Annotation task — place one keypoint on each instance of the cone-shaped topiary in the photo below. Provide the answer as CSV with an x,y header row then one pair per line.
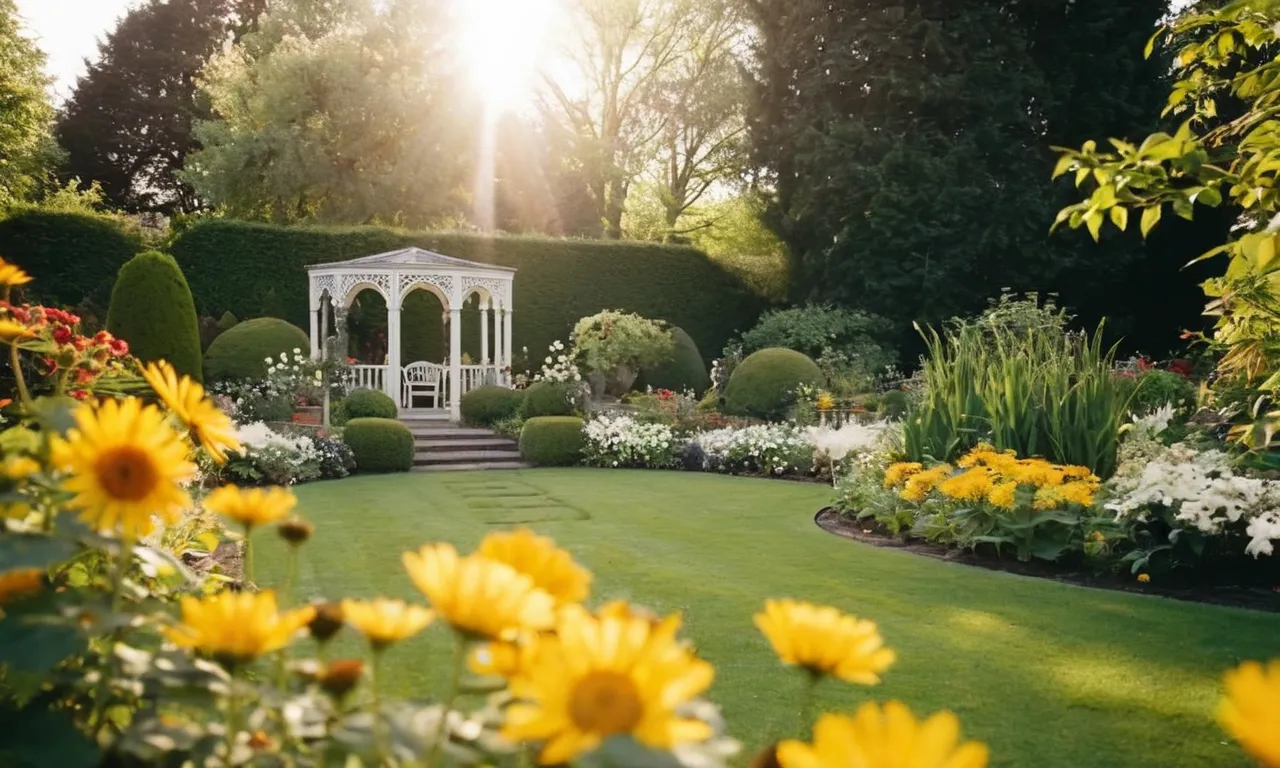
x,y
151,308
241,352
764,384
684,370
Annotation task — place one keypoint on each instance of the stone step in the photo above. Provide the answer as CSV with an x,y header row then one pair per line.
x,y
464,443
444,433
488,465
459,457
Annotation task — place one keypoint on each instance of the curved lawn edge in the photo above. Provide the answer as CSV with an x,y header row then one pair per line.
x,y
830,520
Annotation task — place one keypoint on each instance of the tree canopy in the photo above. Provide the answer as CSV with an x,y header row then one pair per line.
x,y
27,150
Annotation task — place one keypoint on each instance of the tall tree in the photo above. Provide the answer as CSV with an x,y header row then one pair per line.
x,y
27,151
128,124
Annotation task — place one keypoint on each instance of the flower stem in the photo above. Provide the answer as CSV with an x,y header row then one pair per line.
x,y
16,364
455,680
247,579
233,719
108,670
290,576
806,703
379,730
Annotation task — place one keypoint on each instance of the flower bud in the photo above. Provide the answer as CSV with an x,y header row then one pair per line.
x,y
295,530
341,676
327,622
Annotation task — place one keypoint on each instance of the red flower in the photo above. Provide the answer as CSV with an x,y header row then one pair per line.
x,y
20,314
84,376
101,337
1181,367
119,347
81,343
62,334
79,394
1144,364
51,365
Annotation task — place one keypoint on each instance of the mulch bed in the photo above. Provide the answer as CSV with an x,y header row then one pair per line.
x,y
830,520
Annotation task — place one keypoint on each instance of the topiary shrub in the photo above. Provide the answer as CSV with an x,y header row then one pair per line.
x,y
379,445
227,321
151,308
369,403
546,398
241,352
485,406
685,369
552,441
764,384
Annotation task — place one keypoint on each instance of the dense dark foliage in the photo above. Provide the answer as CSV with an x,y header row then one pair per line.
x,y
151,308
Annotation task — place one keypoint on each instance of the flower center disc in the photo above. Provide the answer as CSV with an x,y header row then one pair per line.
x,y
126,474
606,703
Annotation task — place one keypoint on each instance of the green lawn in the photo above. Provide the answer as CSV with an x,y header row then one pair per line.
x,y
1047,674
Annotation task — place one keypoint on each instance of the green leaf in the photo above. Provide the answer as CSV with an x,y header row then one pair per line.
x,y
1150,217
44,737
30,647
1120,217
34,551
626,752
1094,222
1064,164
1151,43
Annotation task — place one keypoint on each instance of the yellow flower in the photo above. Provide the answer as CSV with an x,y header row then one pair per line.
x,y
20,583
12,330
237,626
1076,492
825,401
185,399
884,738
252,506
919,484
1250,710
599,677
825,641
1075,472
551,569
1144,577
896,474
18,467
1037,472
503,658
478,596
126,466
971,485
12,274
384,621
1003,495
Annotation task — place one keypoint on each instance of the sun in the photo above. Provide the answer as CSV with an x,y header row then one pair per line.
x,y
502,42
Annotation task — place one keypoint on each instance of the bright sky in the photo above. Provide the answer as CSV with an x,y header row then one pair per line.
x,y
68,31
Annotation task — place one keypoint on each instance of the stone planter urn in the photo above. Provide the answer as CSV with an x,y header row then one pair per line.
x,y
615,383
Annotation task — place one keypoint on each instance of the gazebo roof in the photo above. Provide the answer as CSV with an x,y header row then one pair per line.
x,y
409,258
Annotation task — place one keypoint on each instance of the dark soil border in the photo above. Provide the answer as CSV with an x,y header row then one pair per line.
x,y
830,520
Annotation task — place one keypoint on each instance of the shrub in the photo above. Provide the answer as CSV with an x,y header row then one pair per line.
x,y
379,445
893,404
552,441
227,321
547,398
818,331
369,403
764,384
685,369
151,308
74,257
241,352
485,406
621,441
616,346
1158,388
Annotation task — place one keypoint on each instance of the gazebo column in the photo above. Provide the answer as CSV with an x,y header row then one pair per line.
x,y
506,342
485,308
455,361
315,331
392,378
326,301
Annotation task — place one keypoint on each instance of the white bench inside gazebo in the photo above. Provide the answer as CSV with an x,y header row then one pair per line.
x,y
420,387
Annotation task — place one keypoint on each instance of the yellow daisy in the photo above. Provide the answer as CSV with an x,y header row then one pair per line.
x,y
1003,495
598,677
20,583
12,330
971,485
185,399
1250,710
479,596
384,621
896,474
251,506
12,274
237,626
126,465
552,569
825,641
888,737
920,484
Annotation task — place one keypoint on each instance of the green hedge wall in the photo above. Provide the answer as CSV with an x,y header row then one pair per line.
x,y
73,257
244,267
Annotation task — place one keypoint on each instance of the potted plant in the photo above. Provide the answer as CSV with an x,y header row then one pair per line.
x,y
614,346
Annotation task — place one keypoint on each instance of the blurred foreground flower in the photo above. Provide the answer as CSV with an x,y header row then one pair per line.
x,y
1250,711
552,569
825,641
384,621
186,399
884,738
478,596
235,627
251,506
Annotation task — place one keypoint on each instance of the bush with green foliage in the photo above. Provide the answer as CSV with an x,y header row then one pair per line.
x,y
819,330
369,403
1156,389
379,445
552,441
241,352
547,398
617,345
485,406
151,308
74,257
685,369
227,321
764,384
559,281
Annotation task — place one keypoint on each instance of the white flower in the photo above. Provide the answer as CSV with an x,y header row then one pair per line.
x,y
269,359
284,358
297,350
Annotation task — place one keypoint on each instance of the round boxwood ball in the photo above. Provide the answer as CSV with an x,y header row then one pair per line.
x,y
552,441
546,398
484,406
685,370
369,403
764,384
379,445
241,352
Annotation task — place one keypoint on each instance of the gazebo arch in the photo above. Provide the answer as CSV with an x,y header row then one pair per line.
x,y
394,275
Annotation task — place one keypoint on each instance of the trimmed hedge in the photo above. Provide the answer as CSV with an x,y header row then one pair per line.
x,y
151,308
559,281
763,385
545,398
484,406
74,257
369,403
379,445
685,370
240,353
552,441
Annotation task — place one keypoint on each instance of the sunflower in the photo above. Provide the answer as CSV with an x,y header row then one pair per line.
x,y
126,465
479,596
552,569
384,621
236,627
185,399
599,677
20,583
887,737
12,274
252,506
825,641
1250,710
12,330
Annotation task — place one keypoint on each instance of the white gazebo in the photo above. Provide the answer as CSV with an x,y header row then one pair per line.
x,y
420,385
